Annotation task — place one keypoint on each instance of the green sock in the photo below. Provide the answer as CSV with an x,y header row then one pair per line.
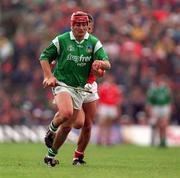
x,y
163,142
52,152
52,127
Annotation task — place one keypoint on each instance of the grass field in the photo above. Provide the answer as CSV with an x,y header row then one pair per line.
x,y
121,161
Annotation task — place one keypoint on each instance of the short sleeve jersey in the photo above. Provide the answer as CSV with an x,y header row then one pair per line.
x,y
159,95
74,59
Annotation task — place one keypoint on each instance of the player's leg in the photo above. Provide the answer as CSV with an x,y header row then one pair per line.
x,y
69,103
108,131
61,134
90,111
65,105
63,131
89,108
107,115
163,124
59,139
78,123
62,99
154,131
104,112
79,120
153,121
101,130
49,137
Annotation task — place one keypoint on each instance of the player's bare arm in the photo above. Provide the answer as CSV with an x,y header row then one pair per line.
x,y
49,79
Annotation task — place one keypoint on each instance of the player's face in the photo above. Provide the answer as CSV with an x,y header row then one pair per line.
x,y
79,29
90,27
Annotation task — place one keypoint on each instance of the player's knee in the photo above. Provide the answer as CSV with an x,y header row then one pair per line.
x,y
78,125
66,115
164,123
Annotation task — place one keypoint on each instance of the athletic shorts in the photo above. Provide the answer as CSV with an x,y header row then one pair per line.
x,y
107,111
161,111
90,97
77,96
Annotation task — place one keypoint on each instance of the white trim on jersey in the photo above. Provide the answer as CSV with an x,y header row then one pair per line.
x,y
72,37
56,43
97,46
86,36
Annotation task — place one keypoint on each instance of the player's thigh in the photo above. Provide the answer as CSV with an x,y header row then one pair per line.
x,y
64,102
90,110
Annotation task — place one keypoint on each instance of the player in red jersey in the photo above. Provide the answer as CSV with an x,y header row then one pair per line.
x,y
108,109
85,121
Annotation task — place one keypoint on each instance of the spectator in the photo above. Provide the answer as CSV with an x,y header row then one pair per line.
x,y
141,38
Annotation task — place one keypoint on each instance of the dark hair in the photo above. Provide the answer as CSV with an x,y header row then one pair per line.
x,y
90,17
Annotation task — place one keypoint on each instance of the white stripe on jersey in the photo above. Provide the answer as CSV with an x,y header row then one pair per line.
x,y
56,43
97,46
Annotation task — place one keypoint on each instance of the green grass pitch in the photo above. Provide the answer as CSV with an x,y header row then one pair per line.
x,y
24,160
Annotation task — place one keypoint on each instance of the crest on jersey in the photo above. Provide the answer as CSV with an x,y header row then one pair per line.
x,y
89,48
70,48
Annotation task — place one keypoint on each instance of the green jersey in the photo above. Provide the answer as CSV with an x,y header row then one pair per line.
x,y
74,59
159,95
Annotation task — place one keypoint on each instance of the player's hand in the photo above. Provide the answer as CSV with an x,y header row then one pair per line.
x,y
98,68
97,64
98,73
50,82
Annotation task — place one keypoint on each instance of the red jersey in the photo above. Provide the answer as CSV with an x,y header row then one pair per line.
x,y
109,94
92,78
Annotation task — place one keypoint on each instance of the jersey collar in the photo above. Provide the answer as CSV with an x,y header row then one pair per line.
x,y
72,37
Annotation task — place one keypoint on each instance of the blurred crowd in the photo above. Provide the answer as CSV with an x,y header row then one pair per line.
x,y
141,37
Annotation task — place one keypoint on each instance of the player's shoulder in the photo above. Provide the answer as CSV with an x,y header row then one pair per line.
x,y
60,38
64,35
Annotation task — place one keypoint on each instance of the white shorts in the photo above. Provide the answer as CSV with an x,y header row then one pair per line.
x,y
107,111
90,97
160,112
77,96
